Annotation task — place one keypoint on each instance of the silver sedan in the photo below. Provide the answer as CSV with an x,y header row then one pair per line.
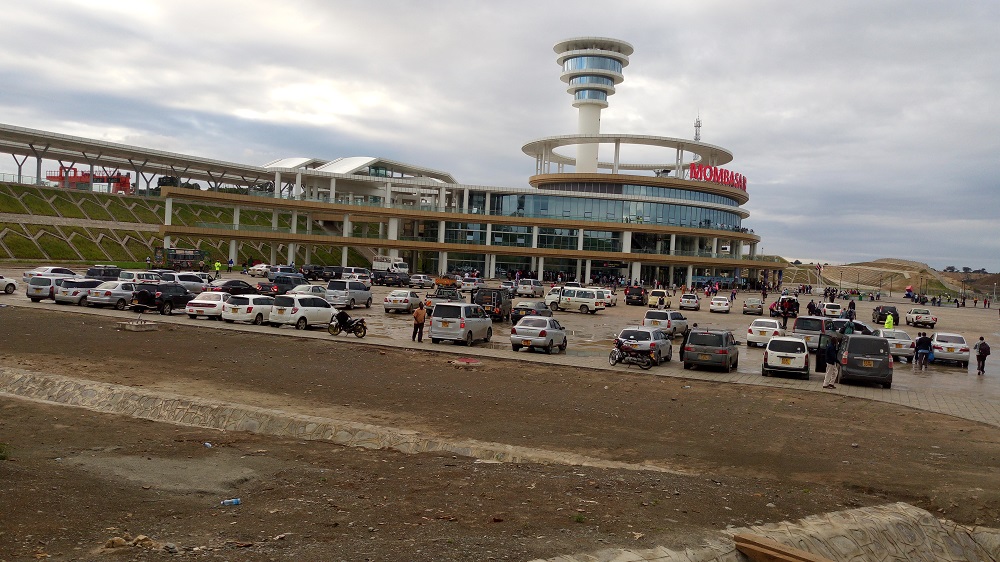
x,y
112,293
401,300
538,332
900,344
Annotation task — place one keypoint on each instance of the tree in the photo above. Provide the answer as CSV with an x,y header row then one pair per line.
x,y
951,269
966,269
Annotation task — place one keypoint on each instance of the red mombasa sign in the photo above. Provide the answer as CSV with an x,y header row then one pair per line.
x,y
718,175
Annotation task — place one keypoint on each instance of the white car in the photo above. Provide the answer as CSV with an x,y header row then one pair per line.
x,y
530,288
610,297
585,301
920,317
538,332
786,354
401,300
421,281
762,330
689,301
900,343
192,281
48,271
75,290
259,270
719,304
670,322
208,304
301,311
950,347
471,284
255,309
7,284
831,309
308,289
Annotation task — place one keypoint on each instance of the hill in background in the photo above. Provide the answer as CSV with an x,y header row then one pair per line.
x,y
891,275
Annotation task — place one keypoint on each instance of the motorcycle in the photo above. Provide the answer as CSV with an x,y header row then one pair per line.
x,y
342,322
627,353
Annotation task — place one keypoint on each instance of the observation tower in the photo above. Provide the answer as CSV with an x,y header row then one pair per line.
x,y
592,67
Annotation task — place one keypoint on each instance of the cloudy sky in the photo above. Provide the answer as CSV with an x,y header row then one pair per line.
x,y
865,129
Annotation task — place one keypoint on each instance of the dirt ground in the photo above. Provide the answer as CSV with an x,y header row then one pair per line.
x,y
741,454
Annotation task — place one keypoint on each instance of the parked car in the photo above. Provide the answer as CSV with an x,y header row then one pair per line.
x,y
391,278
510,287
636,295
332,272
779,305
401,300
301,311
470,284
42,287
363,278
830,309
208,304
689,301
882,311
753,305
163,297
191,280
74,290
950,347
530,288
719,304
140,276
654,298
711,348
421,281
920,317
259,270
48,271
275,270
7,285
255,309
496,302
762,330
671,322
811,328
584,301
865,358
651,340
348,293
233,287
460,322
610,297
308,289
529,308
900,343
538,332
311,271
112,293
103,272
786,355
281,284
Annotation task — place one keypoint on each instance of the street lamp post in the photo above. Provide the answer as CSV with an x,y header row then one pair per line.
x,y
841,281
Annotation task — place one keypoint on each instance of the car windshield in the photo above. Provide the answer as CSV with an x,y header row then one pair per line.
x,y
786,346
108,285
447,311
83,283
337,286
533,322
888,309
832,305
637,335
210,297
239,301
657,315
948,338
895,334
705,338
688,297
284,301
920,311
868,346
399,294
720,300
809,324
764,324
39,281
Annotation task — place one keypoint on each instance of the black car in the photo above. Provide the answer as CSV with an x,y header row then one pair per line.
x,y
390,278
331,272
104,272
636,295
312,272
233,287
881,312
529,308
163,297
282,283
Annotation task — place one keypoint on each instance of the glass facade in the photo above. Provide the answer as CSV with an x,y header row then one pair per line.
x,y
588,63
644,191
591,95
560,238
510,235
584,80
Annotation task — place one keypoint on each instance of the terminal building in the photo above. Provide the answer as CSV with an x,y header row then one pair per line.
x,y
678,220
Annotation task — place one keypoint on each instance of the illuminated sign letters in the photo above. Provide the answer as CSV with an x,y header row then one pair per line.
x,y
717,175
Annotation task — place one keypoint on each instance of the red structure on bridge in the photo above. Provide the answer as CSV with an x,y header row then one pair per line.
x,y
71,178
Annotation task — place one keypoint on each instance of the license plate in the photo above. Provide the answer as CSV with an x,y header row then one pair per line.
x,y
281,311
786,360
656,322
525,342
762,333
235,310
135,301
200,312
809,338
951,350
899,345
867,363
704,357
445,324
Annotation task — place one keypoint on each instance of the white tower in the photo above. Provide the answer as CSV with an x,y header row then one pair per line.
x,y
592,66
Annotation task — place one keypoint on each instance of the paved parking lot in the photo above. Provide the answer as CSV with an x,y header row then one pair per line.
x,y
942,388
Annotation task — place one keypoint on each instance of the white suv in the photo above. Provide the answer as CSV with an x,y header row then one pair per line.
x,y
530,288
301,311
786,354
460,322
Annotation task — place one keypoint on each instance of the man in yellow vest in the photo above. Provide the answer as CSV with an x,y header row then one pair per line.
x,y
218,269
888,321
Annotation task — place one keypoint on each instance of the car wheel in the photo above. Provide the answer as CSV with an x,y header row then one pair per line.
x,y
301,324
563,345
552,306
584,309
9,289
763,372
228,321
965,364
350,305
548,348
258,320
121,304
192,316
515,347
613,358
887,384
468,339
83,301
489,334
435,340
687,365
166,309
931,326
368,303
670,353
657,359
35,300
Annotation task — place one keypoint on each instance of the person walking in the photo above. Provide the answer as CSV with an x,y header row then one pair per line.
x,y
982,352
833,366
888,321
148,261
230,269
218,269
923,347
419,316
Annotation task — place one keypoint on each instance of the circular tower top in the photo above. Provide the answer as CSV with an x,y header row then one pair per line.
x,y
592,66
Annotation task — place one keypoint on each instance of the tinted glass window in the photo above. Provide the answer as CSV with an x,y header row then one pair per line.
x,y
320,303
357,286
657,315
239,301
533,322
711,340
284,301
809,324
944,338
866,346
569,293
637,335
785,346
447,311
896,334
39,281
586,294
264,301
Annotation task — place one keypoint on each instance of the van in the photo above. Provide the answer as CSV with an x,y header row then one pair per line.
x,y
139,276
530,288
460,322
811,328
348,293
865,358
568,298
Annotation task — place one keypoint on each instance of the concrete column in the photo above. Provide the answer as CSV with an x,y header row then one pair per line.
x,y
441,199
670,272
441,225
541,267
393,229
232,251
491,266
586,271
579,240
533,265
277,189
294,230
627,242
274,253
168,211
442,263
673,245
489,234
308,258
690,276
715,247
274,220
534,237
465,200
753,249
579,271
486,207
166,241
333,189
309,223
347,227
297,190
636,270
388,195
